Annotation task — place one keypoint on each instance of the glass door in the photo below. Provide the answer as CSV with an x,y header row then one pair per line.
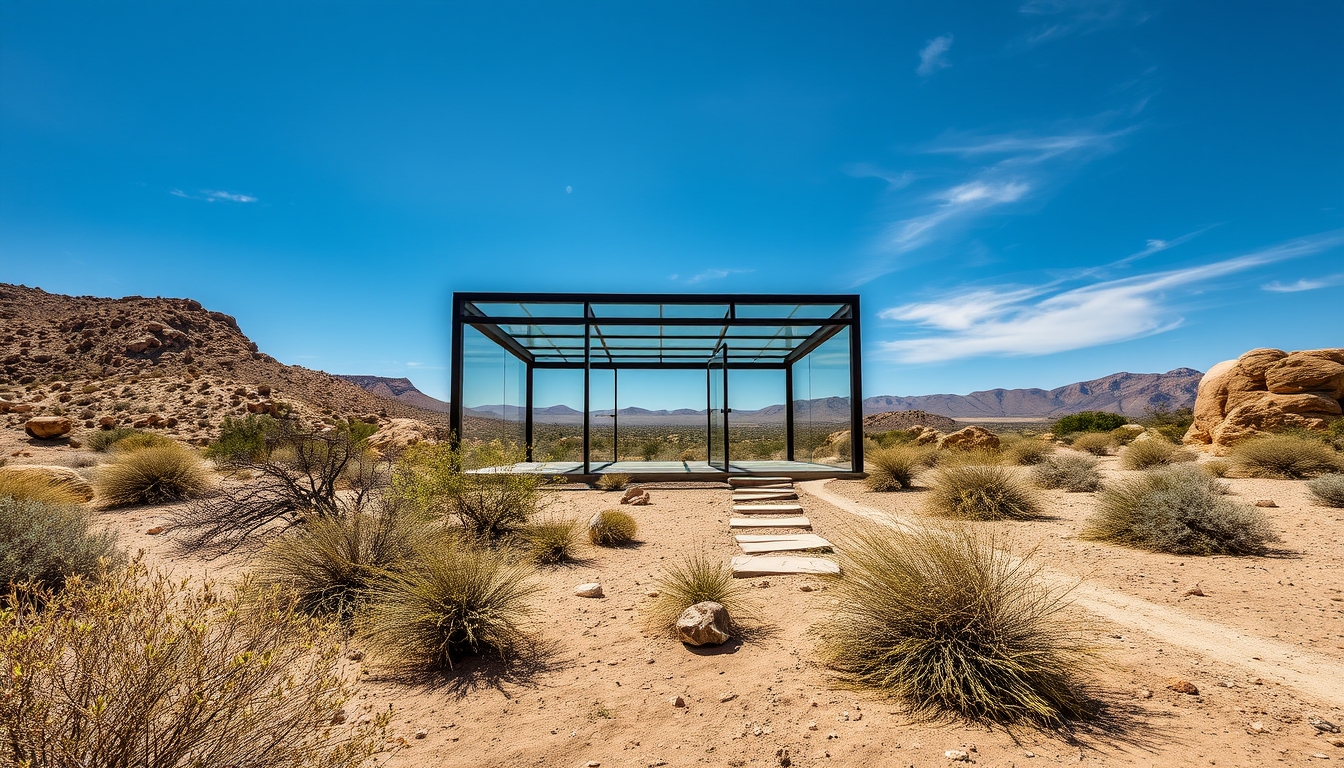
x,y
717,388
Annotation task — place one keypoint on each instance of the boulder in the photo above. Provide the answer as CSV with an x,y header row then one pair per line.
x,y
48,427
970,438
703,624
399,433
924,436
63,477
1306,372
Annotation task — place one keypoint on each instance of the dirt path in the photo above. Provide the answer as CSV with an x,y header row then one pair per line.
x,y
1309,674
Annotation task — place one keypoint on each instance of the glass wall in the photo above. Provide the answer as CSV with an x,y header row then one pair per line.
x,y
557,414
756,402
821,404
494,392
601,416
661,415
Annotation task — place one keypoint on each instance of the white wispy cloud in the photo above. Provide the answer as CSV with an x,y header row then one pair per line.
x,y
894,180
709,274
215,195
933,56
1049,318
1304,284
1068,17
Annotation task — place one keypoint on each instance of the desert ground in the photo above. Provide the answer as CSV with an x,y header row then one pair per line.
x,y
1263,643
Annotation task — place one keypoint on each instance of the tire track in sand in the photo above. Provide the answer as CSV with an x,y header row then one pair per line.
x,y
1316,676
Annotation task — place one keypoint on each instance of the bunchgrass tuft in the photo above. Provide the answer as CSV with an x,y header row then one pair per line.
x,y
895,468
980,492
1073,472
1178,510
1328,490
1155,452
42,544
614,481
1286,456
1216,468
1028,452
612,528
952,624
24,484
458,601
139,440
552,540
694,579
151,476
1096,443
104,439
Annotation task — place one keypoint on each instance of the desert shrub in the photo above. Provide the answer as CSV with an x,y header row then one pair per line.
x,y
612,528
1123,436
893,438
892,469
552,540
1095,443
458,601
139,440
42,544
1171,424
1216,468
20,485
1146,454
694,579
950,623
151,476
1088,421
139,669
1028,452
1334,433
1285,456
329,562
241,439
489,505
104,439
614,481
980,492
1076,473
1179,510
1328,490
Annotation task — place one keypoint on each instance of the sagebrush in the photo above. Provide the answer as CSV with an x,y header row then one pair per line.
x,y
44,544
1073,472
1028,452
1328,490
552,539
23,483
1286,456
895,468
1095,443
488,505
614,481
980,492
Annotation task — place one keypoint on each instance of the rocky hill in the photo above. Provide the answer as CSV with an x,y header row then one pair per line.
x,y
166,364
397,389
1129,394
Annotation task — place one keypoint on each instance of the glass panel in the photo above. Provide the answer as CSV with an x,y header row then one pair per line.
x,y
602,421
821,404
529,309
662,415
756,402
717,371
494,392
557,415
810,311
660,310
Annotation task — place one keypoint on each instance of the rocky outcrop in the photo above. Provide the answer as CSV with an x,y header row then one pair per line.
x,y
1267,390
885,422
971,438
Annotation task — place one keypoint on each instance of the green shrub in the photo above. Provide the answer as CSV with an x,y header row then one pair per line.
x,y
614,481
1124,436
1171,424
151,476
140,440
242,439
459,600
950,623
895,468
1088,421
1285,456
612,528
1028,452
694,579
980,492
1071,472
104,439
134,669
1178,510
1096,443
489,505
552,540
43,544
1146,454
1328,490
1334,434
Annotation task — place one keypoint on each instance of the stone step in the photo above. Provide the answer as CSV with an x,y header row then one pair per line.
x,y
757,543
745,566
754,495
767,509
749,482
769,522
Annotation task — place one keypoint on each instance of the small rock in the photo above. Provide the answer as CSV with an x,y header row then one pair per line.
x,y
355,655
678,701
591,589
805,588
1264,503
48,427
1324,726
832,735
857,716
763,583
339,717
155,531
1337,742
729,696
1320,756
107,422
592,764
421,733
1194,591
784,760
649,660
651,593
1182,686
1145,694
843,717
703,624
957,756
1030,754
812,725
1257,727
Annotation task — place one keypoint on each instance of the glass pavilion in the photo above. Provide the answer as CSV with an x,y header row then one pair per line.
x,y
764,384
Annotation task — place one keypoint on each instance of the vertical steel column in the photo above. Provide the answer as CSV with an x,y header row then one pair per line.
x,y
527,419
615,414
587,388
458,363
709,411
855,390
788,412
727,457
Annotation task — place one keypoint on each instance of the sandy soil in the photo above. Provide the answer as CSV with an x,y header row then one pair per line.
x,y
603,690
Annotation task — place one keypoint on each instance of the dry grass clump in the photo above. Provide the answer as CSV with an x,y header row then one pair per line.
x,y
615,481
104,439
1216,468
948,457
612,528
140,669
552,540
952,624
1328,490
1286,456
895,468
1179,510
33,486
1073,472
151,476
139,440
489,506
1147,454
1096,443
695,579
459,600
980,492
1027,452
43,544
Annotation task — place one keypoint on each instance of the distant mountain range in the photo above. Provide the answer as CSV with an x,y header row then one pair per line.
x,y
1129,394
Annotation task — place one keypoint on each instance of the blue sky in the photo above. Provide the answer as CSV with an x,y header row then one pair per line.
x,y
1023,194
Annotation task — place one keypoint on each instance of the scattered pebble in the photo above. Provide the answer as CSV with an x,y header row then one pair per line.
x,y
957,756
812,725
355,655
651,593
1257,727
591,589
1265,503
678,701
421,733
805,588
727,696
1182,686
1030,754
155,531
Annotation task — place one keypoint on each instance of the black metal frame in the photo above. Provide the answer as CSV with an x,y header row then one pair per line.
x,y
616,358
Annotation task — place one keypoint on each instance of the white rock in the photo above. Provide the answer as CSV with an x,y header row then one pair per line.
x,y
591,589
421,733
729,696
957,756
703,624
812,725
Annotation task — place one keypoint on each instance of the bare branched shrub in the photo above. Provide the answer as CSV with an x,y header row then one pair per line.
x,y
1179,510
140,669
151,475
895,468
980,492
477,489
43,544
1146,454
695,579
612,528
1073,472
950,623
1096,443
1328,490
1286,456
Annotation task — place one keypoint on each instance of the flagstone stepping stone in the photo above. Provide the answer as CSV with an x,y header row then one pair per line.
x,y
756,543
758,565
754,495
769,522
767,509
741,482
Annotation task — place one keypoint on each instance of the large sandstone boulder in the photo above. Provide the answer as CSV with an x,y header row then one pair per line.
x,y
1267,390
703,624
48,427
971,438
63,477
398,433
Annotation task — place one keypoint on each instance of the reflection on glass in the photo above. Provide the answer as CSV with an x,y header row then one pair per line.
x,y
557,415
821,404
494,392
602,420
